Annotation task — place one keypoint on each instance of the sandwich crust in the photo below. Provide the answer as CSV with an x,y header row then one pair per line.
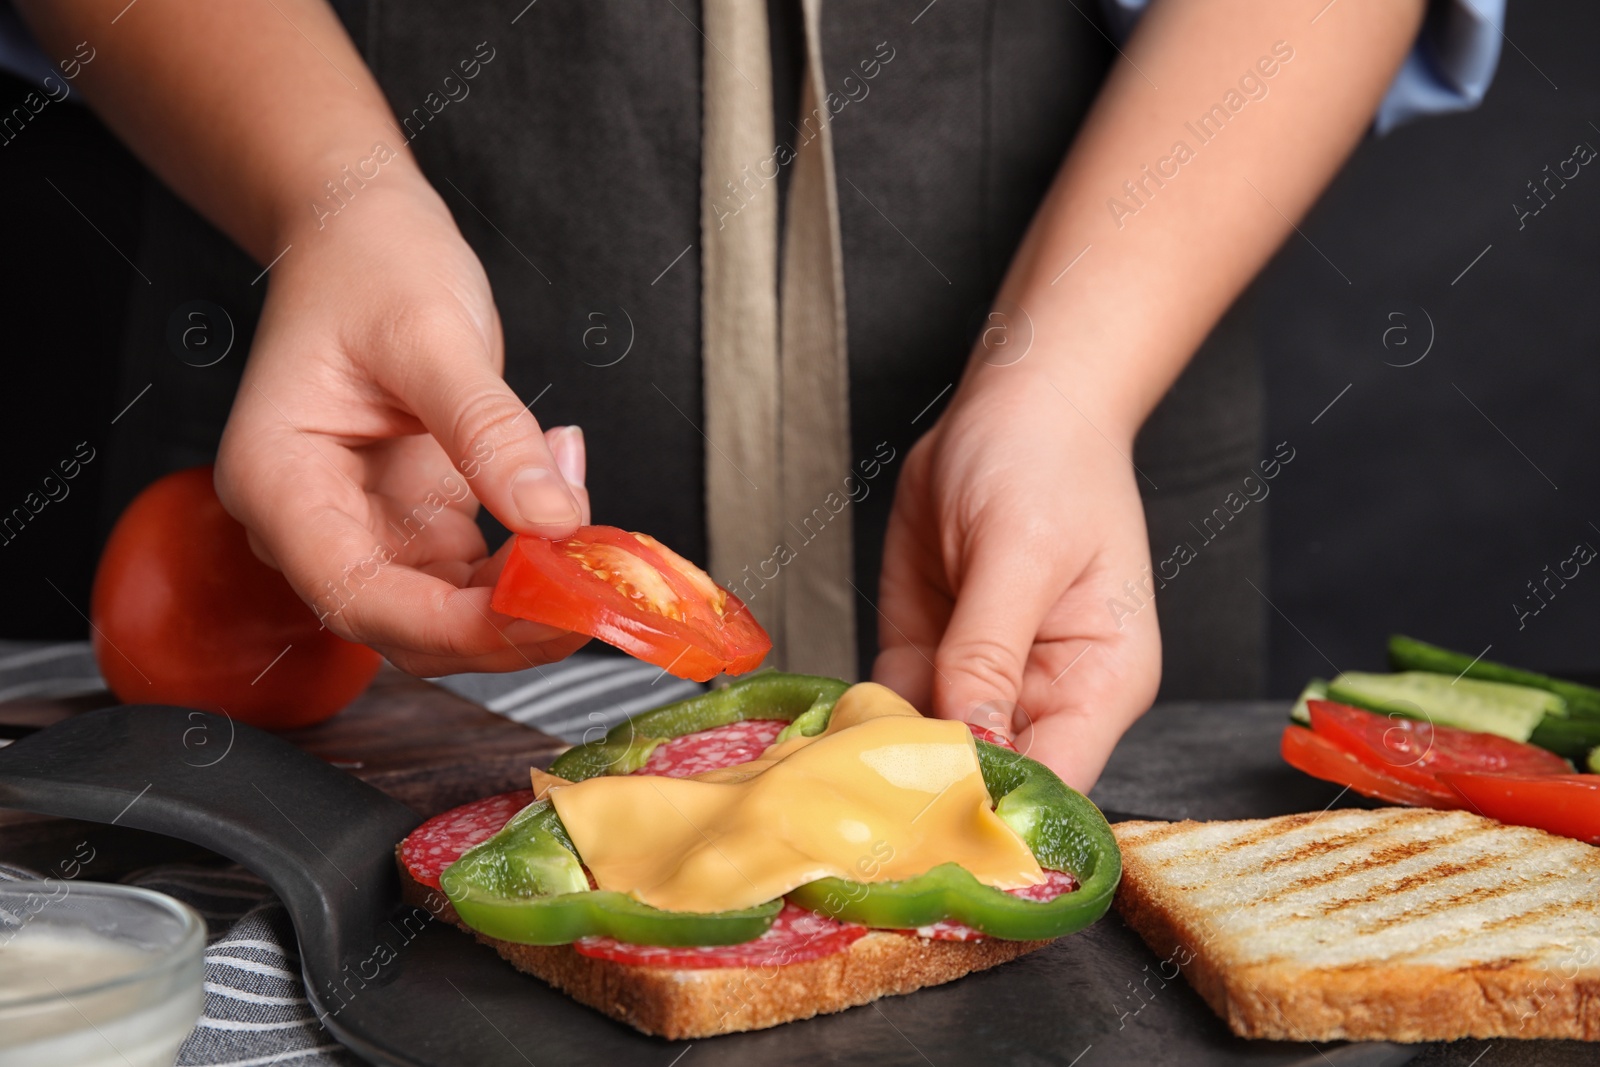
x,y
678,1003
1397,924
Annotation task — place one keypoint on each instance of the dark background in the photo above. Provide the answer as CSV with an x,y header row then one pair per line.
x,y
1422,501
1406,509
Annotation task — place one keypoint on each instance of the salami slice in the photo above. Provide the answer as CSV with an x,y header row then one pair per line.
x,y
795,936
440,841
1055,884
713,749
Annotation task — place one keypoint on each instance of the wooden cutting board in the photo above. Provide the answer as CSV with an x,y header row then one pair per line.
x,y
421,744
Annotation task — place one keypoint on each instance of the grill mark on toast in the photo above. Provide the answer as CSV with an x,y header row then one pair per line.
x,y
1532,916
1433,906
1405,817
1563,907
1268,828
1433,874
1359,865
1426,909
1271,828
1321,847
1384,856
1500,964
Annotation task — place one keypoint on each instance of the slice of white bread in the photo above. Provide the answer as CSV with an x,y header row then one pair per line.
x,y
678,1002
1400,924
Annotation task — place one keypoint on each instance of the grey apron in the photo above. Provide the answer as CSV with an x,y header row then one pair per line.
x,y
572,164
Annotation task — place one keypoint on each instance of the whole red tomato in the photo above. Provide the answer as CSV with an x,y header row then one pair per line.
x,y
185,614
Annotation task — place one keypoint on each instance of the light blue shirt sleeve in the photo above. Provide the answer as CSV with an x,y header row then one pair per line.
x,y
1449,68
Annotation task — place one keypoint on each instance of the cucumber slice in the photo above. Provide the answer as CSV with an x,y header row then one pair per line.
x,y
1409,654
1571,738
1316,689
1468,703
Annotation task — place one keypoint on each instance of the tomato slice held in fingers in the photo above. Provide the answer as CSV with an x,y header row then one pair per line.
x,y
747,642
1321,758
1415,751
631,591
1565,804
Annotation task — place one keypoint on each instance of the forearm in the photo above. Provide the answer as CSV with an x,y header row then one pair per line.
x,y
245,108
1156,261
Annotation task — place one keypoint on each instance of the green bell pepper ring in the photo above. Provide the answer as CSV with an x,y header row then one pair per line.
x,y
1060,826
764,695
526,885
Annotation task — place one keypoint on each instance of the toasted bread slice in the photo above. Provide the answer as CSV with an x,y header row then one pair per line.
x,y
1401,924
674,1002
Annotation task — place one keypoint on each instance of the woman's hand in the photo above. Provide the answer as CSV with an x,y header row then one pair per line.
x,y
1017,518
372,419
1014,523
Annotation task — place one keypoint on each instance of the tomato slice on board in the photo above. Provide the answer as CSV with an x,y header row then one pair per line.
x,y
1565,804
1321,758
631,591
1414,751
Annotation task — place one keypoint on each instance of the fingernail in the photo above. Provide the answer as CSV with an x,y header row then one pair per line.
x,y
542,497
571,455
993,715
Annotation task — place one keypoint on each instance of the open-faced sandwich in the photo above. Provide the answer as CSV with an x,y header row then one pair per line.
x,y
776,849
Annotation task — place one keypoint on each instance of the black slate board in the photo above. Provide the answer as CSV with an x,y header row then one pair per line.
x,y
1090,1000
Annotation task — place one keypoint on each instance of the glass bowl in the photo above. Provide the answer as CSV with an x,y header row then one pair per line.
x,y
93,974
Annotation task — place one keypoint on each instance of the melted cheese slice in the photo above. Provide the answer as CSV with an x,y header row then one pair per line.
x,y
882,794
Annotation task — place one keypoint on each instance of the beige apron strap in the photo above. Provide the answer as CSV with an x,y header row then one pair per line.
x,y
739,286
818,599
777,426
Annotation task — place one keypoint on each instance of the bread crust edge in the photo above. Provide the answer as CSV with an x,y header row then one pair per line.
x,y
690,1003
